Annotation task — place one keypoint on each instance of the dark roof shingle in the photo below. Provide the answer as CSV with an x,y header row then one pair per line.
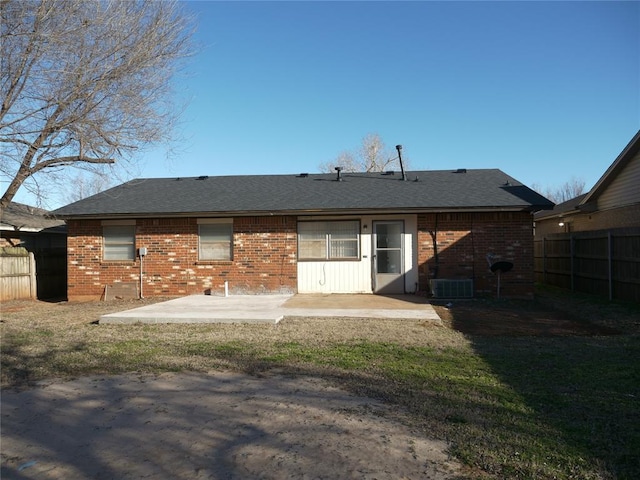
x,y
23,217
264,194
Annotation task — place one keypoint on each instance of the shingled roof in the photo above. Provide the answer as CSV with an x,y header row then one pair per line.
x,y
447,190
25,218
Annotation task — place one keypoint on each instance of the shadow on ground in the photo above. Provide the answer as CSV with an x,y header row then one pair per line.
x,y
224,425
578,371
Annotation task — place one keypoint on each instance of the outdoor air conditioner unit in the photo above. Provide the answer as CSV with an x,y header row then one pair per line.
x,y
447,288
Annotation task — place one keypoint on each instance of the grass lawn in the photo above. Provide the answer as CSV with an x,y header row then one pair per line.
x,y
541,390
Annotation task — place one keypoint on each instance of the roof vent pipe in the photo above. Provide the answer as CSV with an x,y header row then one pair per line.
x,y
339,177
404,175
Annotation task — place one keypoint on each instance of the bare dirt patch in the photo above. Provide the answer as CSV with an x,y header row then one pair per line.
x,y
73,409
220,425
274,424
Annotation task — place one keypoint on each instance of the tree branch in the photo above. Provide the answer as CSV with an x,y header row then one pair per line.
x,y
60,161
85,81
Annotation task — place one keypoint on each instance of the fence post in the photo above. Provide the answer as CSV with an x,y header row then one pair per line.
x,y
544,260
610,263
572,263
33,283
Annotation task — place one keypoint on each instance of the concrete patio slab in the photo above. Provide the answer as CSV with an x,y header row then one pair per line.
x,y
273,308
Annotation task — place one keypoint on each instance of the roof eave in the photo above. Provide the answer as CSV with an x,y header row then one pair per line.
x,y
295,212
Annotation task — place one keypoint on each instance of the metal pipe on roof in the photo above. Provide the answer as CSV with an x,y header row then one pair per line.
x,y
404,175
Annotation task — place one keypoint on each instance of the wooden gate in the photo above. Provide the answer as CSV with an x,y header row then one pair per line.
x,y
17,274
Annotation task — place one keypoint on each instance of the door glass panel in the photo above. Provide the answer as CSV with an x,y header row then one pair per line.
x,y
388,235
388,261
388,256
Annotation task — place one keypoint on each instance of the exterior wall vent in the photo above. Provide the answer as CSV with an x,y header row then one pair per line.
x,y
447,288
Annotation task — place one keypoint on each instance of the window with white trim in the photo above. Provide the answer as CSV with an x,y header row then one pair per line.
x,y
119,242
215,240
329,240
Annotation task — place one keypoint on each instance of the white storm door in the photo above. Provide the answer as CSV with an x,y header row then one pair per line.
x,y
388,257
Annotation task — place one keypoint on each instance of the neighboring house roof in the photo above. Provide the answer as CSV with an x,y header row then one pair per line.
x,y
562,209
18,217
486,190
587,202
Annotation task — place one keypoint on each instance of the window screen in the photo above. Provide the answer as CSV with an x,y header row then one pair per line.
x,y
330,240
216,241
119,242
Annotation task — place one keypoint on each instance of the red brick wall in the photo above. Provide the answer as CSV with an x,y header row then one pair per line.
x,y
455,246
265,251
264,258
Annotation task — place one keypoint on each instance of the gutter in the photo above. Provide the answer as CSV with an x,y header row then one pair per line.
x,y
315,212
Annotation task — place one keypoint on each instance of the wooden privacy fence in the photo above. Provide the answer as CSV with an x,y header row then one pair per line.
x,y
17,274
603,262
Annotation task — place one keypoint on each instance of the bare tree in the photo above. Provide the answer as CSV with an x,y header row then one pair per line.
x,y
371,156
568,190
85,82
86,184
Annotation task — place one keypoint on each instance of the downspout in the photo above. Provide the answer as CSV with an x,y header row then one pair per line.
x,y
142,251
141,282
434,241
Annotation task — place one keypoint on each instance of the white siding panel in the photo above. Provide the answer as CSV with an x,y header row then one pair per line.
x,y
355,277
334,277
339,276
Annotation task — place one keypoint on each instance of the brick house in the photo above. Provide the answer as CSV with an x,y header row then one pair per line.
x,y
380,233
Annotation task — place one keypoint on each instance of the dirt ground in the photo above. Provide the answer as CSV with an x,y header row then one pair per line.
x,y
216,426
224,425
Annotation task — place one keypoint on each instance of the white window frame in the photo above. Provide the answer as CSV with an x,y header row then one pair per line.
x,y
110,246
223,226
323,237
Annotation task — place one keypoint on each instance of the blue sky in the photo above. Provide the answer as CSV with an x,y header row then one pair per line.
x,y
542,90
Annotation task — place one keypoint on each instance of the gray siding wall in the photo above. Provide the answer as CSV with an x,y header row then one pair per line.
x,y
624,189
